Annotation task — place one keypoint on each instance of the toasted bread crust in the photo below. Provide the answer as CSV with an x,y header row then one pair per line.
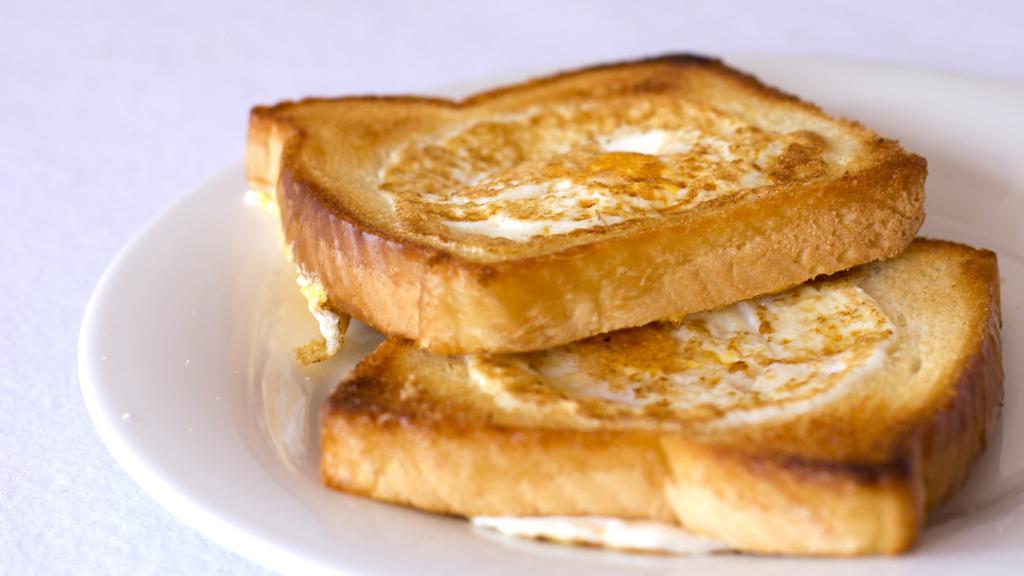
x,y
856,486
453,301
944,446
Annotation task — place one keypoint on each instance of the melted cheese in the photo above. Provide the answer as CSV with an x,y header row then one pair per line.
x,y
771,357
332,326
264,200
615,533
568,168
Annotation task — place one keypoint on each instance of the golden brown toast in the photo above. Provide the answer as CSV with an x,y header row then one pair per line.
x,y
545,212
823,420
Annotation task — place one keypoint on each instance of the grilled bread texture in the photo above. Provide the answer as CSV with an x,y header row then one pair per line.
x,y
545,212
825,420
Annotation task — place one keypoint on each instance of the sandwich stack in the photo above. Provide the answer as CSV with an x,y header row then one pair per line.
x,y
653,305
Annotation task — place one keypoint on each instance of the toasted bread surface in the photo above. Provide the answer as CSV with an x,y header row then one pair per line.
x,y
807,433
549,211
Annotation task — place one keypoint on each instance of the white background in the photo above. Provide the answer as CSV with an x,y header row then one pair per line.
x,y
110,110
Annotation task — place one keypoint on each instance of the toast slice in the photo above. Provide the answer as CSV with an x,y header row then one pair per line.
x,y
824,420
545,212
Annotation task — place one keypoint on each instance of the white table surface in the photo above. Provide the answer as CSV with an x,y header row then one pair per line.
x,y
111,110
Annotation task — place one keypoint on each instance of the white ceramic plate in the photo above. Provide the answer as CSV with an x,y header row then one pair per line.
x,y
183,372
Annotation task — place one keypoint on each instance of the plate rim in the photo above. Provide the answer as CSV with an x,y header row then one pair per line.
x,y
226,532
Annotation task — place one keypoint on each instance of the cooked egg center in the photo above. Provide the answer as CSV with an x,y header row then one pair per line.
x,y
767,357
557,170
